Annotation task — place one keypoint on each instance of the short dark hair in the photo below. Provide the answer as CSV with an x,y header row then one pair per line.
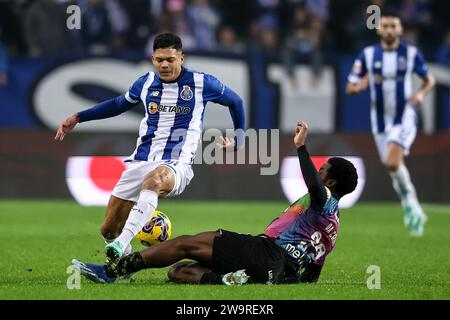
x,y
390,12
167,40
344,172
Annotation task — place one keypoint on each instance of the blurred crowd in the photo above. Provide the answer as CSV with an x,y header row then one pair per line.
x,y
290,29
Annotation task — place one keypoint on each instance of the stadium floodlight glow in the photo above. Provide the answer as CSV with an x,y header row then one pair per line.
x,y
92,179
294,186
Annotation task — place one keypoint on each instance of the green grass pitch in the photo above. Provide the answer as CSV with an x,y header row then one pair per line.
x,y
38,239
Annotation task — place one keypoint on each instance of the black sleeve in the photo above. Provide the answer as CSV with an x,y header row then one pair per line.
x,y
311,273
313,181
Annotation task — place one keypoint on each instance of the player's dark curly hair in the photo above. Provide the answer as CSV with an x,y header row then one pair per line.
x,y
345,174
167,40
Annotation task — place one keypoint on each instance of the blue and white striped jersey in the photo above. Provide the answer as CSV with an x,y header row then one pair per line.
x,y
390,80
173,122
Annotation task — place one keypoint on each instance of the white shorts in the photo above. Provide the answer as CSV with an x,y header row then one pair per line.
x,y
402,134
130,183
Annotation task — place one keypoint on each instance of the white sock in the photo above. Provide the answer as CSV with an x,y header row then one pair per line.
x,y
139,215
404,187
400,193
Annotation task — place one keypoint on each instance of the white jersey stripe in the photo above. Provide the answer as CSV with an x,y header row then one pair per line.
x,y
196,125
168,98
389,85
143,126
369,54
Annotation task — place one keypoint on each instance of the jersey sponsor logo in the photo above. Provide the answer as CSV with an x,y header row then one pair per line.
x,y
153,108
186,94
395,78
293,251
380,78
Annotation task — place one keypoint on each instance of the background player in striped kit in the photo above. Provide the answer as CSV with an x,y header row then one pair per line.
x,y
388,67
174,98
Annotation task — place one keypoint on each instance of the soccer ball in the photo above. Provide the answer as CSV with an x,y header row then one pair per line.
x,y
157,230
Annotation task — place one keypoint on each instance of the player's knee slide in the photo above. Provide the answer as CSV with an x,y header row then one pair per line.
x,y
171,274
175,272
154,183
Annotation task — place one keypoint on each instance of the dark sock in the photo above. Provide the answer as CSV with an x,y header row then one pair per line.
x,y
211,278
129,264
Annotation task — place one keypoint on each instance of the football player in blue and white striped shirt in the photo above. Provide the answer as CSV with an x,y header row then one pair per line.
x,y
387,68
174,98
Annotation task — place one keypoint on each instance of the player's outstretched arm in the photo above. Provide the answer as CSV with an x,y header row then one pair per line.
x,y
103,110
216,91
313,181
235,104
358,79
226,143
357,87
66,126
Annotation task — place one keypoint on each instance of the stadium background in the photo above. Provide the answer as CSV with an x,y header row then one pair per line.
x,y
287,59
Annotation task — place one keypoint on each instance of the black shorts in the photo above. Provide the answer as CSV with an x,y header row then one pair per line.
x,y
262,259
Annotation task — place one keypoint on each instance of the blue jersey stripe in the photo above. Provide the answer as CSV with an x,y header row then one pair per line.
x,y
178,132
400,83
378,73
152,122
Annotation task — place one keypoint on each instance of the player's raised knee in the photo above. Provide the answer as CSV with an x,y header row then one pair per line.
x,y
152,181
160,181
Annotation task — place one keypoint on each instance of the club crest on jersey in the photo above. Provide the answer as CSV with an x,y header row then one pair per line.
x,y
186,94
401,63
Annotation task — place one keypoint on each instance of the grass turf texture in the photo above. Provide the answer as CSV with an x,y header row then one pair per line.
x,y
38,239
